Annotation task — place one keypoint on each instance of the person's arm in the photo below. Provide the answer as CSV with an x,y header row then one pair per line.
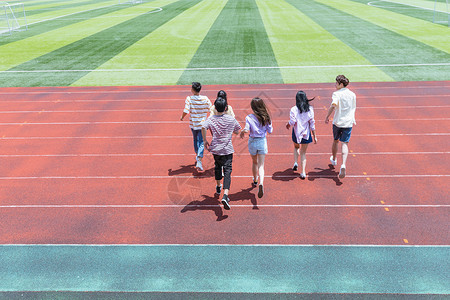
x,y
313,132
187,107
246,128
292,119
237,127
205,141
330,111
312,125
231,112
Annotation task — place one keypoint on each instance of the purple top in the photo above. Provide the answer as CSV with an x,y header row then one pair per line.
x,y
222,128
303,122
255,128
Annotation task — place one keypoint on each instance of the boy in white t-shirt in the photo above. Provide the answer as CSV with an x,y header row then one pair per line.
x,y
344,107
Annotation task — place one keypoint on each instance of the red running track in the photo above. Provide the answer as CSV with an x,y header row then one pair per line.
x,y
113,165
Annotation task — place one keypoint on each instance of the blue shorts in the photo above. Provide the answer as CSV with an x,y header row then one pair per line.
x,y
303,141
257,145
342,134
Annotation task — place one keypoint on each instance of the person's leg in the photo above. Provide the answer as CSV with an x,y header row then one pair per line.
x,y
296,154
345,138
344,153
255,168
227,169
303,160
200,145
334,149
343,169
261,158
218,172
260,167
195,136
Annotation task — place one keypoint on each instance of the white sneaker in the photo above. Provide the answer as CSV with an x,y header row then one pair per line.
x,y
342,172
199,165
333,162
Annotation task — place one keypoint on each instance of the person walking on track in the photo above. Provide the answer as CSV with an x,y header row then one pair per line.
x,y
344,107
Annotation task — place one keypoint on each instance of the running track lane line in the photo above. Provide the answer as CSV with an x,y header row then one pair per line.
x,y
190,136
184,124
238,176
237,205
181,154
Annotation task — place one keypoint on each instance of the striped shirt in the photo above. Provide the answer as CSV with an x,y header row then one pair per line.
x,y
197,107
222,128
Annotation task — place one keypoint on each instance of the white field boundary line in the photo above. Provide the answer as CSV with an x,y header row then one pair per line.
x,y
212,177
178,109
229,68
405,4
190,136
183,154
186,91
184,123
234,206
228,245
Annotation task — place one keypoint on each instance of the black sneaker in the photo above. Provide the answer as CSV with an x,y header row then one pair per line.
x,y
261,191
225,203
295,167
218,189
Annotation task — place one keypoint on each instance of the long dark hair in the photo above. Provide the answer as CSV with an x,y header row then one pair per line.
x,y
302,102
261,111
222,94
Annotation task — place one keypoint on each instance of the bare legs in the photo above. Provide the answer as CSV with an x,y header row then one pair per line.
x,y
300,150
258,167
334,149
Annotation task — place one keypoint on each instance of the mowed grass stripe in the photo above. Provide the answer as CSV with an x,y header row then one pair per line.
x,y
237,39
92,51
377,44
67,9
52,25
51,8
434,35
299,41
19,52
170,46
424,13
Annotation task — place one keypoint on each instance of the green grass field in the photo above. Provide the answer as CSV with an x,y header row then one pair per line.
x,y
168,42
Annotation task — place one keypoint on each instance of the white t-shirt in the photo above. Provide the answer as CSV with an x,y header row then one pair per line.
x,y
345,101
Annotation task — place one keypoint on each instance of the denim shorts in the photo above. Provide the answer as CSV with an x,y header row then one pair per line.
x,y
257,145
342,134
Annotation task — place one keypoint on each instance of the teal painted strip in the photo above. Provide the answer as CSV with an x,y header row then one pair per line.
x,y
378,45
91,52
237,39
208,296
236,269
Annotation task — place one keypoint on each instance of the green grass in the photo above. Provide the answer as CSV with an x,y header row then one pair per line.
x,y
172,45
93,42
237,39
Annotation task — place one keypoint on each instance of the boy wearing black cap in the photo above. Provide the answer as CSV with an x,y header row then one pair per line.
x,y
222,127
